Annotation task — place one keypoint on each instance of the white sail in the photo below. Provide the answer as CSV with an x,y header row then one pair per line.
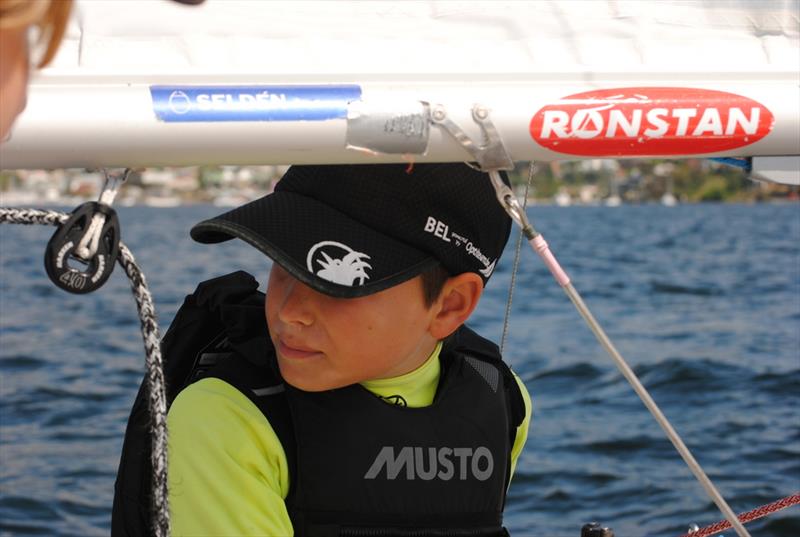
x,y
247,82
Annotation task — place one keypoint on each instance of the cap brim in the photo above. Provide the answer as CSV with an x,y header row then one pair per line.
x,y
320,246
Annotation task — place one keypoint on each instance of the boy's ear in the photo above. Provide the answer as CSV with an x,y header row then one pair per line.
x,y
456,302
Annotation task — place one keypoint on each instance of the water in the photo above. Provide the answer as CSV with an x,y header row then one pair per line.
x,y
704,301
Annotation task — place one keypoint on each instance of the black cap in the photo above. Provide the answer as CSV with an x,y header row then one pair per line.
x,y
353,230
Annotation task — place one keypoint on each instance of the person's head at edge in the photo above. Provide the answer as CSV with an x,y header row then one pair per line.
x,y
16,17
372,266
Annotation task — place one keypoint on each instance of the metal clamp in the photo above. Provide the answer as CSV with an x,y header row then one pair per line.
x,y
492,155
511,204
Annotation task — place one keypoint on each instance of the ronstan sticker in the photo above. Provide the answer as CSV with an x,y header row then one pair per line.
x,y
650,121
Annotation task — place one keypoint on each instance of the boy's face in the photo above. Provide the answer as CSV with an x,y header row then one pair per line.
x,y
324,342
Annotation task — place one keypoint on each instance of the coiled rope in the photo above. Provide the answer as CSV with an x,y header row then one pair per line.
x,y
157,399
749,516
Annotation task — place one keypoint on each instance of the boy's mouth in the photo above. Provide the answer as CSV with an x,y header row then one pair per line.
x,y
296,352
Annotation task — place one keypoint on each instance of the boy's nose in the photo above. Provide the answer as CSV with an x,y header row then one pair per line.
x,y
297,305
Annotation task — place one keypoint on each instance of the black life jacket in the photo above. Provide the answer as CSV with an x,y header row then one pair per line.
x,y
358,466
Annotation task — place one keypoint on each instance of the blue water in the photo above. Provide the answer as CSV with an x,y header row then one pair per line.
x,y
704,301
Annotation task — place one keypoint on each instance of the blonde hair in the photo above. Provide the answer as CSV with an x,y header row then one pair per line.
x,y
50,16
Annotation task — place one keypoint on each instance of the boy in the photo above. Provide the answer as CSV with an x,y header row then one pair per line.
x,y
397,420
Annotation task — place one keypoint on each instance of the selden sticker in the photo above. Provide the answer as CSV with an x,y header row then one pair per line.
x,y
650,121
252,103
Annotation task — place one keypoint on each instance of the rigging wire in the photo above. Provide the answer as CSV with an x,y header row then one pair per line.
x,y
531,171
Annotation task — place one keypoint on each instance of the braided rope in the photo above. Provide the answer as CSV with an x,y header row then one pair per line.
x,y
156,395
157,399
31,216
749,516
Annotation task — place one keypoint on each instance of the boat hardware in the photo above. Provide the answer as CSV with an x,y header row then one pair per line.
x,y
595,529
80,255
492,155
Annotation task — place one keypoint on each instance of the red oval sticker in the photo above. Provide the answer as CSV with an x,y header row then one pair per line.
x,y
650,121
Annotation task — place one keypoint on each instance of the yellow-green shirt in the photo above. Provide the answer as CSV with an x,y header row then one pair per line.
x,y
228,474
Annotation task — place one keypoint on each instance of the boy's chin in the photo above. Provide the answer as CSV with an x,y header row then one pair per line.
x,y
304,382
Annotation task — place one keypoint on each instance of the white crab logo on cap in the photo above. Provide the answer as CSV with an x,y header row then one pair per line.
x,y
344,266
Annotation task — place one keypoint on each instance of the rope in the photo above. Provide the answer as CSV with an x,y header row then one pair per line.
x,y
531,171
31,216
157,399
156,395
749,516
